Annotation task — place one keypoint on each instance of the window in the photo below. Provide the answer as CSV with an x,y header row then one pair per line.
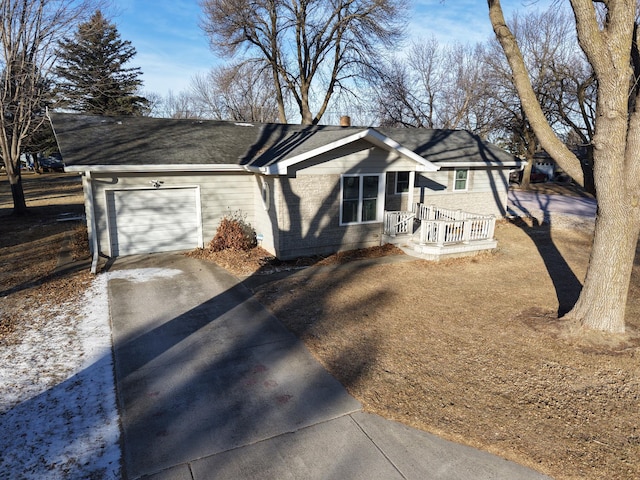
x,y
461,178
402,182
361,199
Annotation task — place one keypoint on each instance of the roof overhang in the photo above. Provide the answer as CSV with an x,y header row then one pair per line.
x,y
372,136
456,164
156,168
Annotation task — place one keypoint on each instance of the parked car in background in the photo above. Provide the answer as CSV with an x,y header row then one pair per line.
x,y
536,176
51,164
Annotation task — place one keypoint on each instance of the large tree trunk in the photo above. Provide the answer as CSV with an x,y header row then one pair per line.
x,y
603,299
616,143
19,203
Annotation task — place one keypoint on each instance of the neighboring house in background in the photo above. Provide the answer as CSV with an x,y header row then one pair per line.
x,y
161,184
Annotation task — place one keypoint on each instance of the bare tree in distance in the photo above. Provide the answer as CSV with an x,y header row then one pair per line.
x,y
153,108
435,87
312,48
238,92
608,35
180,105
551,54
29,34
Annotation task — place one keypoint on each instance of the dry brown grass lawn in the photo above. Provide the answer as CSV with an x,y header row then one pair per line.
x,y
29,247
469,349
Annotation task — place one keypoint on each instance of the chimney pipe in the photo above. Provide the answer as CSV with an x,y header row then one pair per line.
x,y
345,121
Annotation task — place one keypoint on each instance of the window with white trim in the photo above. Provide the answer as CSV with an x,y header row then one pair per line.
x,y
361,199
461,179
402,182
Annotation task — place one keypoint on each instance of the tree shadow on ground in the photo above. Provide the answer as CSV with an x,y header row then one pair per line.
x,y
539,230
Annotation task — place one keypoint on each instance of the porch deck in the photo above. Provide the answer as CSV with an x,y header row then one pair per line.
x,y
435,233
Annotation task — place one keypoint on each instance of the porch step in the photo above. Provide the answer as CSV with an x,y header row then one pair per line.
x,y
434,252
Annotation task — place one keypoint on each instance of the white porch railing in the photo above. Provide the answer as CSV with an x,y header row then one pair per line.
x,y
398,223
441,226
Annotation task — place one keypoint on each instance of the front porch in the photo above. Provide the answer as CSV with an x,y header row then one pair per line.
x,y
434,233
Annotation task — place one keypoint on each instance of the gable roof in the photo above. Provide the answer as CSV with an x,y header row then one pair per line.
x,y
89,142
284,149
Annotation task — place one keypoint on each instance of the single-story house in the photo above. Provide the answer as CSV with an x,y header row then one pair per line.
x,y
156,185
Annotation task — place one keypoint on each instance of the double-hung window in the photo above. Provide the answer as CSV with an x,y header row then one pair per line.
x,y
361,199
461,179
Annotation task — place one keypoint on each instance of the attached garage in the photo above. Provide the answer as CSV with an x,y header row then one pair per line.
x,y
153,220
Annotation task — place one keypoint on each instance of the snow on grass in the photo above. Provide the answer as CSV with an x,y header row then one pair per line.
x,y
58,415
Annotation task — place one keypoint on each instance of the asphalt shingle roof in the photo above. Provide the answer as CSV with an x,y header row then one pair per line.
x,y
94,140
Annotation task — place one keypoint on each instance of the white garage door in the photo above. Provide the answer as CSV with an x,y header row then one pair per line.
x,y
153,220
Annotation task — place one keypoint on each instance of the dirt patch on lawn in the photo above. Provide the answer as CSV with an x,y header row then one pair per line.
x,y
469,349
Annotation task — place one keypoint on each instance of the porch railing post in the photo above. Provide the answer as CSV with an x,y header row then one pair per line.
x,y
441,233
492,227
466,230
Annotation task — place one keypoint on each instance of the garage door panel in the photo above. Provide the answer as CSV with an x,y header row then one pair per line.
x,y
142,224
176,206
145,221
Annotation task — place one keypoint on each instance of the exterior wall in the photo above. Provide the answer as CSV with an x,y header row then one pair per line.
x,y
308,205
359,157
395,201
300,216
486,190
220,193
265,212
308,224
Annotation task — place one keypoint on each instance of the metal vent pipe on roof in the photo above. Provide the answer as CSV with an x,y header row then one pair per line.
x,y
345,121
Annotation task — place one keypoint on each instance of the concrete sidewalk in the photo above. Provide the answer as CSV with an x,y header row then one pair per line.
x,y
211,386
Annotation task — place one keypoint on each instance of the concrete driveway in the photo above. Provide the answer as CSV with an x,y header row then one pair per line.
x,y
211,385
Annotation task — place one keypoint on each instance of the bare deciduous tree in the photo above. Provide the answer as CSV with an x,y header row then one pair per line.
x,y
436,87
239,92
311,47
609,36
30,29
408,91
180,105
550,52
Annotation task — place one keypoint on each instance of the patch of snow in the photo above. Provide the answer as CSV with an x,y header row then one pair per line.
x,y
58,414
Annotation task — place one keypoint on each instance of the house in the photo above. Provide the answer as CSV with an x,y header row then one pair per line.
x,y
156,185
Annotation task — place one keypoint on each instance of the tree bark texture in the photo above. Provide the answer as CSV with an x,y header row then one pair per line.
x,y
602,302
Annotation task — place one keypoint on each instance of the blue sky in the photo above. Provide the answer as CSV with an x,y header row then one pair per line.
x,y
172,48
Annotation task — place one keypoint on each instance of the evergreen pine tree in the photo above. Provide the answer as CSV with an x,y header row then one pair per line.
x,y
91,73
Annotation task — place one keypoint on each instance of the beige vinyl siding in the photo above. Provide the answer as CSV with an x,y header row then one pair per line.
x,y
220,193
360,158
309,218
486,190
265,217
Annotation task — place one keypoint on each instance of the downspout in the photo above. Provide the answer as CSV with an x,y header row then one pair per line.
x,y
92,215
